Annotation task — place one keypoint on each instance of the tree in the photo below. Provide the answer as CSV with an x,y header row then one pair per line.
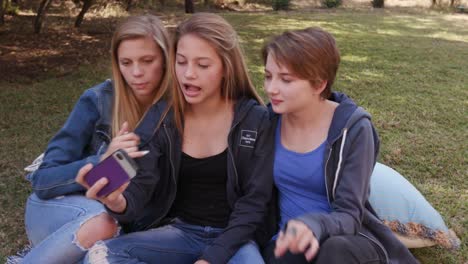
x,y
86,5
41,13
189,7
129,5
2,13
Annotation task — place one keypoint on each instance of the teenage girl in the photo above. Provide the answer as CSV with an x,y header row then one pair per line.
x,y
204,186
325,152
61,222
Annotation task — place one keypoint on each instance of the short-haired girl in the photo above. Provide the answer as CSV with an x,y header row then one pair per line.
x,y
325,152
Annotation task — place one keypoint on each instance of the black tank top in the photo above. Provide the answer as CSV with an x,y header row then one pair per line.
x,y
201,192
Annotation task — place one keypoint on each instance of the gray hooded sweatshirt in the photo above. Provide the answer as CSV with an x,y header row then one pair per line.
x,y
351,153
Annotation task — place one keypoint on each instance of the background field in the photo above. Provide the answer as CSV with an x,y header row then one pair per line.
x,y
408,69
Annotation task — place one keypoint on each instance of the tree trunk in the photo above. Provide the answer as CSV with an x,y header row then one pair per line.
x,y
162,2
189,7
129,5
452,2
41,13
434,2
2,13
206,2
86,5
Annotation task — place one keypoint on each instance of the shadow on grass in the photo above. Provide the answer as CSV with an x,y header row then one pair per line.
x,y
409,71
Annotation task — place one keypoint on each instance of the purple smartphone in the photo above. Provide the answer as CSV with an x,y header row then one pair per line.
x,y
118,168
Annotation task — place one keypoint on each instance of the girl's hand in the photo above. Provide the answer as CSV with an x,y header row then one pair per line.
x,y
297,238
127,141
114,201
201,261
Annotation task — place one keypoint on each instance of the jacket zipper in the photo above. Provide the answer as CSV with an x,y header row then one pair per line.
x,y
173,178
329,203
375,242
236,177
325,175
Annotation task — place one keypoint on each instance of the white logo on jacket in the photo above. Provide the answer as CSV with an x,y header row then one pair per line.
x,y
248,138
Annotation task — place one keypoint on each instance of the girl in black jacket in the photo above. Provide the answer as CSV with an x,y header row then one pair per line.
x,y
204,185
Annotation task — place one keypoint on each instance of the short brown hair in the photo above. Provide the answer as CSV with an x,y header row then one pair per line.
x,y
309,53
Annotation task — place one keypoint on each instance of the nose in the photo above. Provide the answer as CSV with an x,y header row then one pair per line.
x,y
270,86
190,71
137,70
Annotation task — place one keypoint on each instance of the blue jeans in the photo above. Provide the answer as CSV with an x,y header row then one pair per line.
x,y
178,242
51,226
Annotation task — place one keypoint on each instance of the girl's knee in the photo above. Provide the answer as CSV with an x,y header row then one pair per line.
x,y
100,227
335,250
97,254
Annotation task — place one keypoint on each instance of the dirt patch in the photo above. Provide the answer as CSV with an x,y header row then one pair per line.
x,y
57,51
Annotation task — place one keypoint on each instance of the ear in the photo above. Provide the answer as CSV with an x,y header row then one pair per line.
x,y
319,86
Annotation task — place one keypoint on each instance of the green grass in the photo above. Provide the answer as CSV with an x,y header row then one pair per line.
x,y
408,70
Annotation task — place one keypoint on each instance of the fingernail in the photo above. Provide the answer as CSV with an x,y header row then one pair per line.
x,y
143,153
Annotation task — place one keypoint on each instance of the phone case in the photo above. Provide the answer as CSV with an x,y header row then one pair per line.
x,y
118,168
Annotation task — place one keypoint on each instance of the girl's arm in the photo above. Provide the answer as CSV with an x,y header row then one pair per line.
x,y
141,187
65,153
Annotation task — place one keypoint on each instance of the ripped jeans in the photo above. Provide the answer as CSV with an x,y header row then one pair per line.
x,y
178,242
51,226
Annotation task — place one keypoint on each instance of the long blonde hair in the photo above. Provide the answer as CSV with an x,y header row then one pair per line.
x,y
125,105
223,38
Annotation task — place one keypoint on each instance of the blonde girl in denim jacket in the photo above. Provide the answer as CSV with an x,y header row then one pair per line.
x,y
61,223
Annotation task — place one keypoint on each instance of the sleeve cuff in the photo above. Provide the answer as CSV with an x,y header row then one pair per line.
x,y
94,159
216,255
314,226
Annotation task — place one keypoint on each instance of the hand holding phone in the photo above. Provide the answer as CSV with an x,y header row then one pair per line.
x,y
118,169
108,180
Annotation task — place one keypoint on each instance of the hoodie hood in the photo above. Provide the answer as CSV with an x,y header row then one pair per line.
x,y
148,125
346,115
242,107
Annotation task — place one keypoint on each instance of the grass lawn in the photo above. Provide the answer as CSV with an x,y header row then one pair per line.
x,y
409,70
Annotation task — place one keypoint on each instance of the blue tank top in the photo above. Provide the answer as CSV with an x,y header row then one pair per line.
x,y
300,180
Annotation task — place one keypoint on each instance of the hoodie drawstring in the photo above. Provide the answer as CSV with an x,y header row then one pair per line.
x,y
340,160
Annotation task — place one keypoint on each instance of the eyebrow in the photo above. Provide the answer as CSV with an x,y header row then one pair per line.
x,y
150,56
141,57
281,73
286,74
196,58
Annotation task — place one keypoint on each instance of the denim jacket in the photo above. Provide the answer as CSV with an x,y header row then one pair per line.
x,y
82,139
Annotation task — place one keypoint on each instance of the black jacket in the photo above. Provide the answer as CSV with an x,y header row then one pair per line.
x,y
152,192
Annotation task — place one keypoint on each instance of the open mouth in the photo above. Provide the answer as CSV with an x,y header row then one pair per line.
x,y
191,90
